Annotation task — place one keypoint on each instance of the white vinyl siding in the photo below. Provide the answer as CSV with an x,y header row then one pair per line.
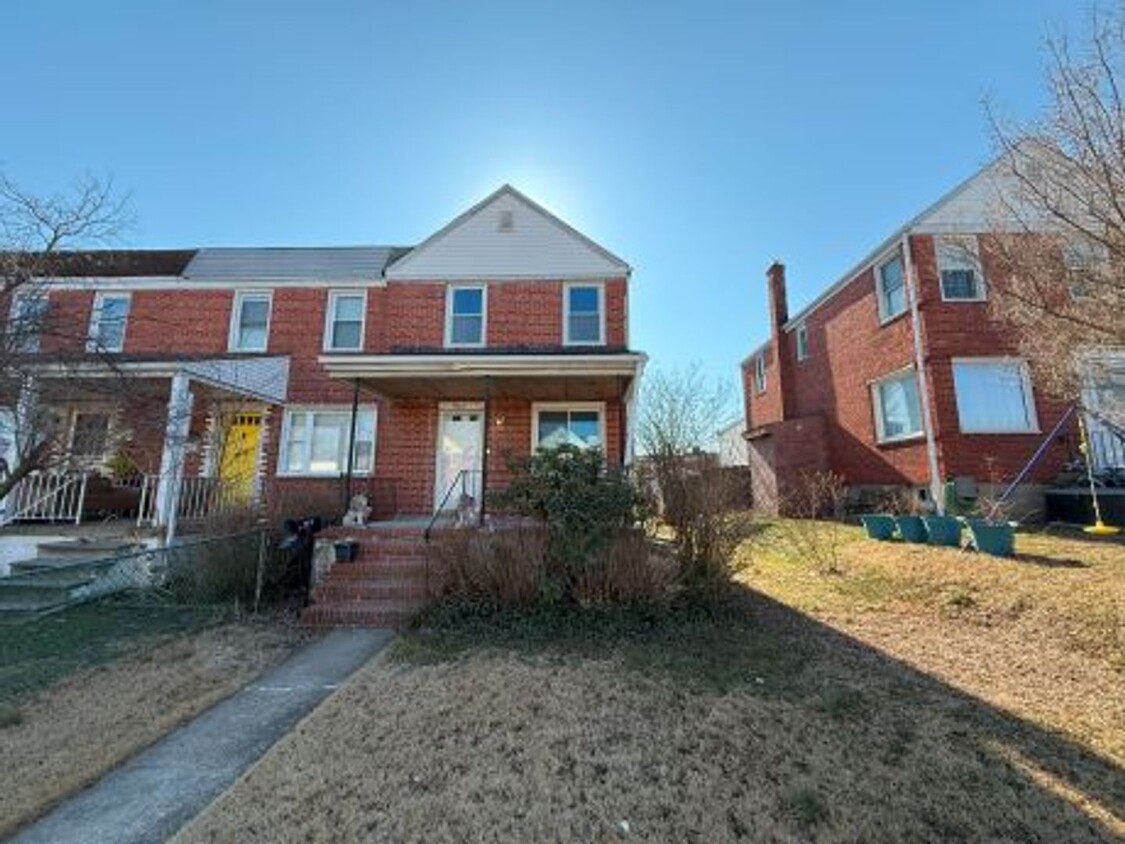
x,y
556,424
898,414
466,310
959,268
345,323
108,320
890,288
994,396
314,441
250,321
583,314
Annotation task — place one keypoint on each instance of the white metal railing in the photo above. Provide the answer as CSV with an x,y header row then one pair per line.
x,y
199,499
46,496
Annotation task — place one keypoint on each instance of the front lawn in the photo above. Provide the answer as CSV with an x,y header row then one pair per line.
x,y
83,690
890,702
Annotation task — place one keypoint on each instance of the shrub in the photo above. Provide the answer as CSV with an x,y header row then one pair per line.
x,y
816,501
582,505
632,571
504,568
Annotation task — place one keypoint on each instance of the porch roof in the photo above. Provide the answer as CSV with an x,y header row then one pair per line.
x,y
265,378
536,376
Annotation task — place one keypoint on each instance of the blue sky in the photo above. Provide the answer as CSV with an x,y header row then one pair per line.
x,y
697,140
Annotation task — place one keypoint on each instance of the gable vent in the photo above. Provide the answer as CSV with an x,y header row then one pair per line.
x,y
506,221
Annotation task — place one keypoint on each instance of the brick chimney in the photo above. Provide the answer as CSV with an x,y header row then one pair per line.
x,y
779,304
779,345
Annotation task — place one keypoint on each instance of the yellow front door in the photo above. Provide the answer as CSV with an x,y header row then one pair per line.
x,y
239,457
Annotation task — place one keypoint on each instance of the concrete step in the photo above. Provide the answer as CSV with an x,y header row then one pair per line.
x,y
14,612
379,569
24,593
61,566
87,548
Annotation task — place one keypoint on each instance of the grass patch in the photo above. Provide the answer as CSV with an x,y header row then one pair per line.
x,y
10,716
37,653
804,804
701,648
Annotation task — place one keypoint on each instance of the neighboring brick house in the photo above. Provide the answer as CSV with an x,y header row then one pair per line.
x,y
505,330
897,376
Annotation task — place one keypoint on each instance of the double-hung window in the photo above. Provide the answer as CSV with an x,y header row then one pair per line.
x,y
315,441
584,315
579,425
994,396
344,332
107,322
802,335
890,287
250,321
465,316
959,268
25,324
760,372
898,415
89,438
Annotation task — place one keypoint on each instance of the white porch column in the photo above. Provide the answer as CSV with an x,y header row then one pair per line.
x,y
172,458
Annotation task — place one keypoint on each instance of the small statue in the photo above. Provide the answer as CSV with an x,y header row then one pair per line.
x,y
358,511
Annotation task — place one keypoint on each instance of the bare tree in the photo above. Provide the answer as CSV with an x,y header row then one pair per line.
x,y
1059,242
681,410
37,236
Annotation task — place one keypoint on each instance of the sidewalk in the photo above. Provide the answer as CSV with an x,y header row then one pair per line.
x,y
154,794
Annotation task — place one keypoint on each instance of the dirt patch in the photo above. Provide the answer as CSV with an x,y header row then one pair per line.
x,y
71,733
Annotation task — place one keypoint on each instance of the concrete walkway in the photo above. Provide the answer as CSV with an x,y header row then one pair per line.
x,y
150,797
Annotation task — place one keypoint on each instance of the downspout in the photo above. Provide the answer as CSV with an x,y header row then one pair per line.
x,y
936,493
484,447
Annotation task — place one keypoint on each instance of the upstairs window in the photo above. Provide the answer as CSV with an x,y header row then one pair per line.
x,y
1086,263
802,341
465,316
898,415
345,321
994,396
760,373
890,287
959,267
25,324
250,322
107,322
584,316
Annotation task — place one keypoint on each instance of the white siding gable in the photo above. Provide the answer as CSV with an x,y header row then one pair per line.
x,y
983,202
507,236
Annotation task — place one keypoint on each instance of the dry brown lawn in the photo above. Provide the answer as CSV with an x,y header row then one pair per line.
x,y
919,695
74,731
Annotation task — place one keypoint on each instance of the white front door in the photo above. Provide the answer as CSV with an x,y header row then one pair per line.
x,y
459,448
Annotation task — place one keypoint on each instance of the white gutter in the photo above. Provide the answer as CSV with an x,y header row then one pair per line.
x,y
936,492
469,366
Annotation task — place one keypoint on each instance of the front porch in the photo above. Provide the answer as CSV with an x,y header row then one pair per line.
x,y
450,424
161,446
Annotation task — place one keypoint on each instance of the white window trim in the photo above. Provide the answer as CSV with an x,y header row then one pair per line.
x,y
760,383
877,407
978,269
283,446
1028,394
111,433
32,342
449,291
802,340
579,406
330,319
882,261
241,296
600,287
96,318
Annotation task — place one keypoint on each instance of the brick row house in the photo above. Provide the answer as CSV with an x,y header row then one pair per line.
x,y
897,377
294,377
